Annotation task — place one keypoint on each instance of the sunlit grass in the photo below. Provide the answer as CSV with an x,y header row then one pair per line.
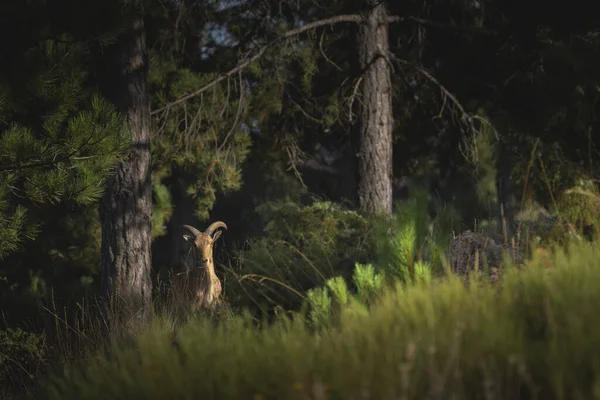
x,y
536,336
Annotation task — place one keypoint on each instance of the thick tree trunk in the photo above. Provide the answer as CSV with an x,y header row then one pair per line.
x,y
126,207
375,118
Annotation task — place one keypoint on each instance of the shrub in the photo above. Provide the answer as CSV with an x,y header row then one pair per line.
x,y
327,303
410,246
22,354
303,246
537,337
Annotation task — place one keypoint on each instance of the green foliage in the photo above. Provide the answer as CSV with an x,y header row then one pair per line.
x,y
13,227
59,268
201,141
580,206
162,207
535,337
368,282
266,99
302,248
408,247
320,305
335,297
21,354
58,142
321,250
339,290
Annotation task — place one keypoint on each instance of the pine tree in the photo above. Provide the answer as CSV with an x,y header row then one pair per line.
x,y
58,138
375,115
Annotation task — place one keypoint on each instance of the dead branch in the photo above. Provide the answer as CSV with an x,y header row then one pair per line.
x,y
303,111
325,55
295,157
465,120
354,92
237,114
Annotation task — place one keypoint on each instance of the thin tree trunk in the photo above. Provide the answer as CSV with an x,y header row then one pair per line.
x,y
126,207
505,210
375,119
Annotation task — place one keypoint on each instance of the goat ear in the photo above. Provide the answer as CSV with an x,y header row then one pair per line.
x,y
187,238
217,235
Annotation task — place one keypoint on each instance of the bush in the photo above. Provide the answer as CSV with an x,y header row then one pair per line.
x,y
410,247
327,303
22,354
302,248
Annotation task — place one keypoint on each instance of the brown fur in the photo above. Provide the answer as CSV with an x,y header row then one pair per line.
x,y
199,287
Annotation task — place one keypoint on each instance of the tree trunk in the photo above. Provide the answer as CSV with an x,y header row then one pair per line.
x,y
375,116
505,209
126,207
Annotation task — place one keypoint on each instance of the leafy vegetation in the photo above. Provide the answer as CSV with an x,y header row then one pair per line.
x,y
21,356
429,339
302,248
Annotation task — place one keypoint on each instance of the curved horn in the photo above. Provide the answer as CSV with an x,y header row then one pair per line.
x,y
214,226
192,230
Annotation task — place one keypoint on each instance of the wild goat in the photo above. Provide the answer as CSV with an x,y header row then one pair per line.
x,y
199,287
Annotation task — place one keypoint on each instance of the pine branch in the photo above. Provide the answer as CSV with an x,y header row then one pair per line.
x,y
355,18
261,51
56,160
38,164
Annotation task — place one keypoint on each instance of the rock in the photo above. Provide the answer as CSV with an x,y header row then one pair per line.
x,y
463,250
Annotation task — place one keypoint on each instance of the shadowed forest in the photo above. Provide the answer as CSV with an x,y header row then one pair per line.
x,y
299,199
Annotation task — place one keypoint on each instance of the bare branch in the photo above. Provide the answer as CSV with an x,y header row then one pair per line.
x,y
296,156
325,55
461,117
354,92
431,78
237,114
302,110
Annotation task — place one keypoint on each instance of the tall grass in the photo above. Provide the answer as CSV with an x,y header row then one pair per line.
x,y
535,337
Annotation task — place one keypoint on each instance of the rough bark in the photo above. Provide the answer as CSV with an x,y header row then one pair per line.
x,y
126,207
375,116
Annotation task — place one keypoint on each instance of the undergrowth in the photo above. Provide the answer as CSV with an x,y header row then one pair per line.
x,y
535,337
301,248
